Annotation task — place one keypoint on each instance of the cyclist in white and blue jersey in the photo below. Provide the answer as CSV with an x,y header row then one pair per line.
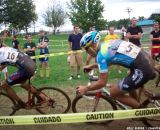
x,y
121,53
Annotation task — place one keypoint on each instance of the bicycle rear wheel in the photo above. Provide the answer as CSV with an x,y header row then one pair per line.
x,y
6,104
87,103
57,101
153,121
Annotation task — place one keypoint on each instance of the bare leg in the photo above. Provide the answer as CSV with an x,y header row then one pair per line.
x,y
71,70
41,69
120,96
78,70
47,69
10,91
33,90
134,95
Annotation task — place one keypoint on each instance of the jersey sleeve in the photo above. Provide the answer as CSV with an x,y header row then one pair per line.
x,y
102,63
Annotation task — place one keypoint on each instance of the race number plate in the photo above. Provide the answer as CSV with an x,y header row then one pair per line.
x,y
11,55
129,49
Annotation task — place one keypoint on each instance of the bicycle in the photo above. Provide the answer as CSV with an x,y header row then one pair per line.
x,y
56,101
101,100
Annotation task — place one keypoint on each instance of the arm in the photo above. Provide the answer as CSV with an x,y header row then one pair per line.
x,y
70,42
138,36
154,39
103,77
70,45
129,36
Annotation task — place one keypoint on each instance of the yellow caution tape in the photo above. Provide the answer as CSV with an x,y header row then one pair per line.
x,y
56,54
72,52
78,117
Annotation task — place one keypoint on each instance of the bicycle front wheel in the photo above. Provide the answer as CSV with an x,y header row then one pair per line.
x,y
152,121
6,104
57,101
89,103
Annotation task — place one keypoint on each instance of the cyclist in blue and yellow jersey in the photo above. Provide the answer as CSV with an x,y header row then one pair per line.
x,y
121,53
43,46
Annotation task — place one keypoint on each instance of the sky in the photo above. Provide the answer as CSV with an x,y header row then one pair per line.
x,y
114,9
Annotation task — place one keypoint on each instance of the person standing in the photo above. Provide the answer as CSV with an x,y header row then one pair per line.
x,y
155,38
15,43
123,34
134,32
43,47
76,56
5,70
111,35
30,47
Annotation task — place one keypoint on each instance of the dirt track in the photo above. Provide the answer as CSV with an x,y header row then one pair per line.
x,y
128,124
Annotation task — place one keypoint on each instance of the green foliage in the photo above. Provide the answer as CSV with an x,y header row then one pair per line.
x,y
119,24
54,15
87,13
19,13
155,17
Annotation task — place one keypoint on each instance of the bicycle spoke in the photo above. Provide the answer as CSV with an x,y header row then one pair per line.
x,y
57,101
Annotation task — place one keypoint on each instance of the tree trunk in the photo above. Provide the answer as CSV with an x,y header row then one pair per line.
x,y
54,31
26,30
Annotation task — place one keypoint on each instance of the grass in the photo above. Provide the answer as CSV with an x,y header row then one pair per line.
x,y
59,69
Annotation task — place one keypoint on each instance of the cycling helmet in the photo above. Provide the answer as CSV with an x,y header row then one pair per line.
x,y
90,38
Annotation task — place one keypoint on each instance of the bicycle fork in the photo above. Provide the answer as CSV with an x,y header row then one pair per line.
x,y
97,98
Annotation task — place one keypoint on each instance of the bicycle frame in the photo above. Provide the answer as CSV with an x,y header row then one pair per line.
x,y
118,103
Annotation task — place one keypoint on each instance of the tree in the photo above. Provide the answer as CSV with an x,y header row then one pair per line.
x,y
54,16
86,13
155,17
141,18
19,13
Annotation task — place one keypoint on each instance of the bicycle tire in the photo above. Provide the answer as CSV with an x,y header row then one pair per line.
x,y
152,121
85,105
59,106
6,104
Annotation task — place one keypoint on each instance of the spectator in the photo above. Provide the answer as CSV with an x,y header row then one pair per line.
x,y
15,43
30,47
155,38
89,57
43,47
5,70
111,35
75,57
134,32
123,34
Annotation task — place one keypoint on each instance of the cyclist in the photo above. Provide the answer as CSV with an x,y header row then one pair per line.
x,y
121,53
26,69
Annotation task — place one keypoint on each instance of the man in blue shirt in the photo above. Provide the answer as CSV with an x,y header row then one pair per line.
x,y
121,53
76,56
43,47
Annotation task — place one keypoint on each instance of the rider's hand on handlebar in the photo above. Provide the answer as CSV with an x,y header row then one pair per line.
x,y
81,90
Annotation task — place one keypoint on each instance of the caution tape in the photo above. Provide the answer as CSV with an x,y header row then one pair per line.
x,y
56,54
78,117
71,52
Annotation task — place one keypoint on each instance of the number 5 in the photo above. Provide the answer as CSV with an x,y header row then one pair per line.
x,y
129,48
